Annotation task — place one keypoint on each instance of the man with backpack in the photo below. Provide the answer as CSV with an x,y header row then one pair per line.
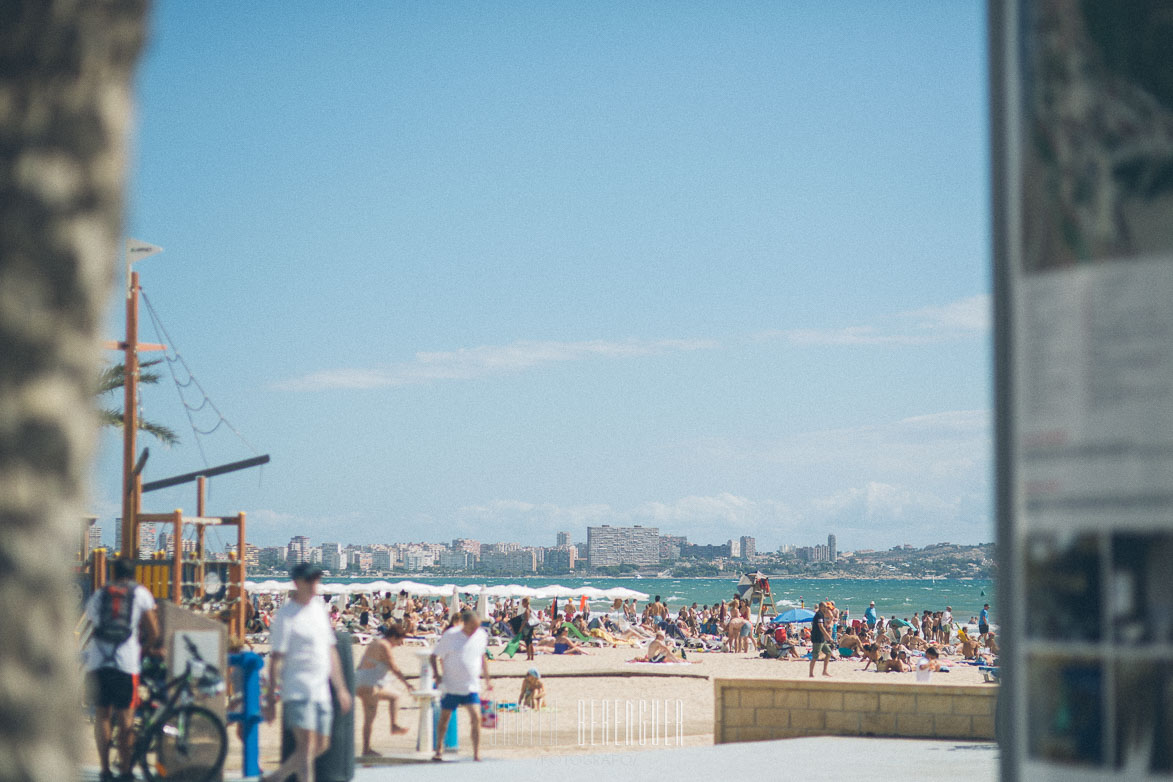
x,y
113,660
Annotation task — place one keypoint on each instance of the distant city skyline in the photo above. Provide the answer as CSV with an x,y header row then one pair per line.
x,y
513,270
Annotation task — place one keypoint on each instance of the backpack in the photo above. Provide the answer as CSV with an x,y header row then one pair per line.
x,y
115,623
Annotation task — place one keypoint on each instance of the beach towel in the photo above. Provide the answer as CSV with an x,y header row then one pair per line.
x,y
488,714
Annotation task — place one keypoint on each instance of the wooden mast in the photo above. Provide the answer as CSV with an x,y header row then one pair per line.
x,y
130,423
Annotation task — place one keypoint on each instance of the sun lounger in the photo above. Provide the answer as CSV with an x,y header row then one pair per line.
x,y
574,631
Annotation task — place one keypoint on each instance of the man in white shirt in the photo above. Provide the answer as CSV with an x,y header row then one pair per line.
x,y
461,654
303,665
113,660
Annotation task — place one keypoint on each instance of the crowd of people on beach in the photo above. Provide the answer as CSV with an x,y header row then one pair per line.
x,y
465,632
892,646
666,634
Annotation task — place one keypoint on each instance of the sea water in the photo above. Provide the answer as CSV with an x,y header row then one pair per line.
x,y
894,597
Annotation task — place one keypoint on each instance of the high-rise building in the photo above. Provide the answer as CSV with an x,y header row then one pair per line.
x,y
519,560
359,560
334,557
299,549
383,559
671,547
749,547
468,544
707,551
148,542
455,559
607,545
563,538
94,536
559,560
832,553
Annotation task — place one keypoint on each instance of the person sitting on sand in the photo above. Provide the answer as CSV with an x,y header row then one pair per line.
x,y
871,655
660,652
912,641
561,644
375,680
533,690
850,642
898,664
991,644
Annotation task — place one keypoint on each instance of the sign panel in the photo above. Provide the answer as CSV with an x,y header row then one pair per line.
x,y
1083,142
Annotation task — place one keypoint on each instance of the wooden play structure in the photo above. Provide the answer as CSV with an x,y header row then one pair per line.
x,y
182,577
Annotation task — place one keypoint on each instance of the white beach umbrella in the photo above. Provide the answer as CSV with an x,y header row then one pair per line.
x,y
624,593
555,590
593,593
270,587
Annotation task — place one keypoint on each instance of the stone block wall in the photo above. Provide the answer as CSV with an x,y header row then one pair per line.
x,y
756,710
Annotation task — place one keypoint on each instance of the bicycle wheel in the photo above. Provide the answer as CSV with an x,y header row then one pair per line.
x,y
189,746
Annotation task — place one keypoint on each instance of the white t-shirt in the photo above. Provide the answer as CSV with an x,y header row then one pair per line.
x,y
460,657
303,635
128,656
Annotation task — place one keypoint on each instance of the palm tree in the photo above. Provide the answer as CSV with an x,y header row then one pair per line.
x,y
67,82
113,378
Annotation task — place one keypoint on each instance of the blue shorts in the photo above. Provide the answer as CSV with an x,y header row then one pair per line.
x,y
314,716
449,702
746,630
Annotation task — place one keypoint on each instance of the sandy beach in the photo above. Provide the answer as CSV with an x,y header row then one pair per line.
x,y
576,684
604,677
579,686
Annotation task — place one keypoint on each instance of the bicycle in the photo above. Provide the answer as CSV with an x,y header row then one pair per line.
x,y
176,739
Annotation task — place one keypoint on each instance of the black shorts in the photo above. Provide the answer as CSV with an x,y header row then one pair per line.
x,y
983,629
110,687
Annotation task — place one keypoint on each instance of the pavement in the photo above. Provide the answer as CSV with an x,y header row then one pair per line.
x,y
814,759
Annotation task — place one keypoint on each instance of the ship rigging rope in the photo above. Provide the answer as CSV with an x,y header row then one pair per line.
x,y
163,336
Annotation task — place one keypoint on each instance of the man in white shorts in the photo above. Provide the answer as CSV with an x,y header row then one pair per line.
x,y
303,665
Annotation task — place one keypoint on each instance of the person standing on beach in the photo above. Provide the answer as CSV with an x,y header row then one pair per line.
x,y
984,622
462,663
303,665
820,640
870,615
113,660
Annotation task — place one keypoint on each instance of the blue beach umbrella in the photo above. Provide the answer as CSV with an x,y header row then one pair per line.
x,y
794,615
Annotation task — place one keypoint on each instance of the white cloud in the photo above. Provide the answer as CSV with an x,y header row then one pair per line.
x,y
883,502
711,519
971,314
851,335
861,515
956,320
472,363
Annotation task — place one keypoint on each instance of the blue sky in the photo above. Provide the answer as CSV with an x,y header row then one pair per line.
x,y
497,270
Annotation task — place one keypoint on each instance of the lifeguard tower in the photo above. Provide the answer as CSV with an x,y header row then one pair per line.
x,y
755,587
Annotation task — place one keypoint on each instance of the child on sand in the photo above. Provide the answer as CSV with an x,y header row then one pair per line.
x,y
533,690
